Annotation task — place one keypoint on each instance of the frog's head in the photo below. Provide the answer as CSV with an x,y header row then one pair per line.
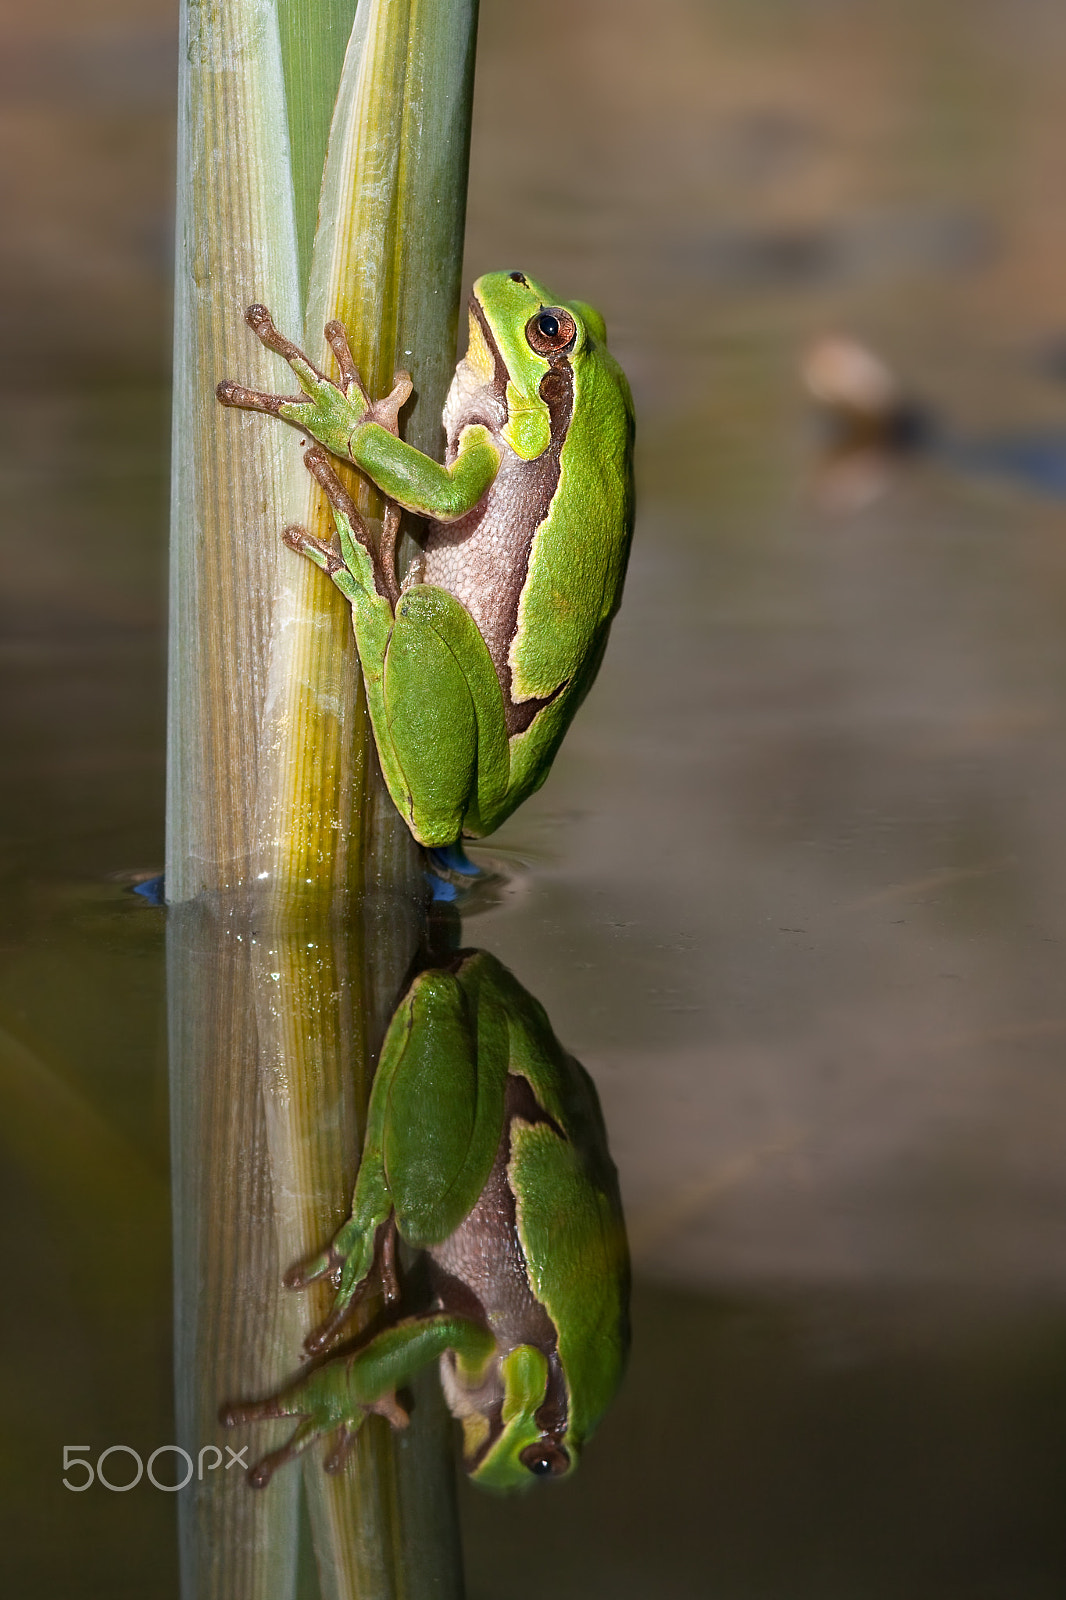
x,y
522,343
526,1437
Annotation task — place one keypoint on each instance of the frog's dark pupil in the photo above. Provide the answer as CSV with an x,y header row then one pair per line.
x,y
516,277
549,326
540,1466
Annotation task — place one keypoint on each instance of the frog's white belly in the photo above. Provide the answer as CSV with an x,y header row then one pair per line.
x,y
482,559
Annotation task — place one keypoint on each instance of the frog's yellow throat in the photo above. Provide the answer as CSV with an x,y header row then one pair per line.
x,y
479,355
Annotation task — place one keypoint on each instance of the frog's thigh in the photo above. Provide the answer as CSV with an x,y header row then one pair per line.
x,y
431,721
437,1148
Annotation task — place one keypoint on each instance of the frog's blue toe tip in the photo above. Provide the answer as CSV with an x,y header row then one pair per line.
x,y
451,872
153,890
453,858
441,892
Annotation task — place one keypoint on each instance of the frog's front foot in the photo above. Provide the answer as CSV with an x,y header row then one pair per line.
x,y
329,412
382,551
386,411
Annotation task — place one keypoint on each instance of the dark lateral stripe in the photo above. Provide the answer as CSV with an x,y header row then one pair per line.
x,y
519,714
520,1100
557,392
499,376
553,1415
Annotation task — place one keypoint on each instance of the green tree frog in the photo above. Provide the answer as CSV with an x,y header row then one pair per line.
x,y
475,666
485,1147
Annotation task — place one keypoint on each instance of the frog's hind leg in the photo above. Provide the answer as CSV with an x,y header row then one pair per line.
x,y
350,523
323,555
429,757
439,721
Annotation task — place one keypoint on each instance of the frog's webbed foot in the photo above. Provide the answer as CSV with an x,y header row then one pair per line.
x,y
387,1406
323,555
320,1401
329,412
235,394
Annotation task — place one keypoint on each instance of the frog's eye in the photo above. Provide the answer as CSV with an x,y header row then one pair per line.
x,y
551,331
545,1457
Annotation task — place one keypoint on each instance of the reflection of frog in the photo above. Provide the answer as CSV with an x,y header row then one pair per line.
x,y
485,1147
474,669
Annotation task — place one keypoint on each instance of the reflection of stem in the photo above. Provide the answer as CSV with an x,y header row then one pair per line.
x,y
269,1046
234,1329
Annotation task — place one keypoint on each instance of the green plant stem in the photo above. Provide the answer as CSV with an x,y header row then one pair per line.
x,y
278,822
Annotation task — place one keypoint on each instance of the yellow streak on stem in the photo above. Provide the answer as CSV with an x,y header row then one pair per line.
x,y
320,775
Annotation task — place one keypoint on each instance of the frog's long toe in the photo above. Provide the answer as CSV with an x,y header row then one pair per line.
x,y
337,339
305,544
235,1416
326,1265
229,393
261,1472
318,464
261,323
337,1457
321,1337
